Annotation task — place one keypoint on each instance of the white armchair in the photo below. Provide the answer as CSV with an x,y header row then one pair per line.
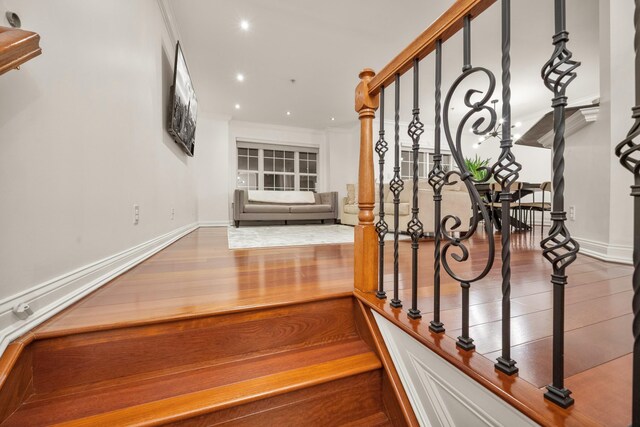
x,y
455,201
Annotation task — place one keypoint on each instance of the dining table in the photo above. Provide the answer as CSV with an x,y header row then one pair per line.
x,y
488,196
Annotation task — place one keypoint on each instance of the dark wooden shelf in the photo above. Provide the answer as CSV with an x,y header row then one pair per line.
x,y
17,47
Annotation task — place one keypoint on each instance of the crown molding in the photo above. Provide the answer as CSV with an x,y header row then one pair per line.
x,y
573,124
169,20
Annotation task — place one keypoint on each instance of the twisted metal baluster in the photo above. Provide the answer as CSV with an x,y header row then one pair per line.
x,y
475,108
506,172
414,227
396,186
559,248
381,226
436,180
629,156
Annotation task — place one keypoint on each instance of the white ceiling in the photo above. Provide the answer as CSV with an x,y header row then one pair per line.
x,y
324,44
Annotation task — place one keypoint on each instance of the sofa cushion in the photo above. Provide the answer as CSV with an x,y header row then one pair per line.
x,y
260,208
351,194
405,195
282,197
403,208
456,185
310,208
351,209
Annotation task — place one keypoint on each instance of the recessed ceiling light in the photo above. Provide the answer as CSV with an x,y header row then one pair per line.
x,y
288,113
333,119
244,24
240,77
237,106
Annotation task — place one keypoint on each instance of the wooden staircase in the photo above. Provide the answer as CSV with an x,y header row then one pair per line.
x,y
317,363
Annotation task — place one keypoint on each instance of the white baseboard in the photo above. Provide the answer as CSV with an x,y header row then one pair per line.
x,y
49,298
214,223
606,252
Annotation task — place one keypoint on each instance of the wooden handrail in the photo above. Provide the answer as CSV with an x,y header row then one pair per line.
x,y
366,104
443,28
17,47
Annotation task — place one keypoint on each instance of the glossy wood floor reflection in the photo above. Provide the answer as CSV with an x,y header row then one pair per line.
x,y
199,275
598,339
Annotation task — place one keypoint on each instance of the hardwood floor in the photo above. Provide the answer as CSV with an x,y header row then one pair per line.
x,y
198,275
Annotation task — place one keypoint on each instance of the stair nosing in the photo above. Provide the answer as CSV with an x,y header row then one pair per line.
x,y
210,400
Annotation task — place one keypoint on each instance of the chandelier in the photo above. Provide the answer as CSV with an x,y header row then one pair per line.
x,y
496,132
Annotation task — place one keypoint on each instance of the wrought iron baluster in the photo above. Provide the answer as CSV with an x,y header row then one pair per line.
x,y
506,173
381,226
416,128
627,151
396,186
558,247
436,180
475,107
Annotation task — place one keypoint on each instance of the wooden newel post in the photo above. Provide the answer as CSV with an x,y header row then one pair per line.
x,y
366,238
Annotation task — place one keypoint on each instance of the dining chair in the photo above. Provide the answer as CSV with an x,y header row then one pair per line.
x,y
532,207
514,206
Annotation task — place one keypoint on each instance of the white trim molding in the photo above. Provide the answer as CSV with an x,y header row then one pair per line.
x,y
224,223
440,394
169,20
622,254
52,296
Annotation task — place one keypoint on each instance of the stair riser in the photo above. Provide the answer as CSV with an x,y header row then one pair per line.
x,y
95,357
334,403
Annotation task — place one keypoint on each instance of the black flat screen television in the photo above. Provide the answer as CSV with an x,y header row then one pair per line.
x,y
183,105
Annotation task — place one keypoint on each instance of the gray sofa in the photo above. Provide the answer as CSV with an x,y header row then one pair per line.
x,y
324,208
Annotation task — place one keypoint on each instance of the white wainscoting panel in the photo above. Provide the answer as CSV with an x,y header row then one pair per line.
x,y
440,394
49,298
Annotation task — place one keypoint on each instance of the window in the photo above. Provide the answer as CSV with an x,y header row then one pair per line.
x,y
406,164
308,171
279,168
425,163
446,162
247,169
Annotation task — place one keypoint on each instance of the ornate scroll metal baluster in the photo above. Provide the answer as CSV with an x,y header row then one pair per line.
x,y
436,180
414,227
559,248
381,226
396,186
628,152
506,172
475,108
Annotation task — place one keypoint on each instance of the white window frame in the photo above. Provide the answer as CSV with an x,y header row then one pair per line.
x,y
261,147
428,162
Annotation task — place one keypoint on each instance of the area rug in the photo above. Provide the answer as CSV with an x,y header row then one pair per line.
x,y
268,236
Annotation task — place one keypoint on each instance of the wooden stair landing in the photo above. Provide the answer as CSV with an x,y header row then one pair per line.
x,y
290,364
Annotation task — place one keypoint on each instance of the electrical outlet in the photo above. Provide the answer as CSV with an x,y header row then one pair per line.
x,y
22,311
136,214
572,213
173,213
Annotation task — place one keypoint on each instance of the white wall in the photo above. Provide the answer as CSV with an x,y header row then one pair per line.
x,y
596,184
213,171
82,139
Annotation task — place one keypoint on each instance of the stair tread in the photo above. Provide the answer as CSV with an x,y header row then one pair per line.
x,y
204,389
374,420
